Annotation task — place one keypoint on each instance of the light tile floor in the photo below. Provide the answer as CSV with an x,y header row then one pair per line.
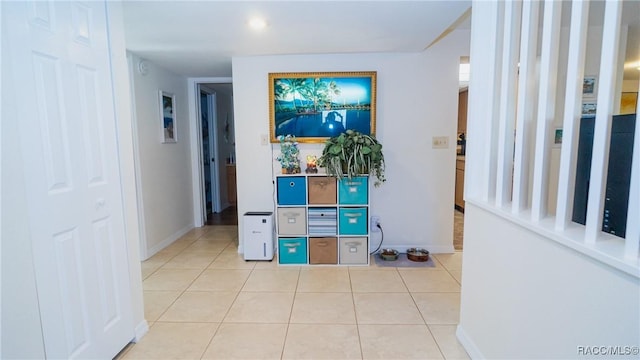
x,y
203,301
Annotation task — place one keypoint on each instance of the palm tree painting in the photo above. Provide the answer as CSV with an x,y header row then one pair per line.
x,y
315,106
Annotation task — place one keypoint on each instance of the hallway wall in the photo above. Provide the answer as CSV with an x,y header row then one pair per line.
x,y
417,96
164,170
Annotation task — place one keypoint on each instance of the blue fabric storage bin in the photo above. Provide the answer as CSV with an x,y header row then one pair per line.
x,y
292,190
323,221
354,191
292,250
353,221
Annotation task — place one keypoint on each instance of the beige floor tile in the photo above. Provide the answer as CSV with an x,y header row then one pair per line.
x,y
150,266
220,280
376,281
445,336
198,232
157,302
213,247
386,308
190,260
173,341
322,342
438,308
429,281
456,275
261,307
397,342
323,308
175,247
221,232
372,266
270,265
231,260
450,261
199,306
324,280
170,279
272,280
247,341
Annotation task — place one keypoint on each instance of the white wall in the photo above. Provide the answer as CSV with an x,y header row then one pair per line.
x,y
416,100
527,297
164,169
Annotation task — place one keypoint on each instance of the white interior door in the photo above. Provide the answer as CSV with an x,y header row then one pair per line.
x,y
62,78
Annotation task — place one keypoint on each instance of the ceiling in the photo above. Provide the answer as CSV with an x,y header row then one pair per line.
x,y
199,38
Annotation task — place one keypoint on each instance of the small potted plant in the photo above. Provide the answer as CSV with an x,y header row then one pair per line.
x,y
289,154
351,154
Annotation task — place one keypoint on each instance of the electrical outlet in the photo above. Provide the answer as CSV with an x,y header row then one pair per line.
x,y
375,220
440,142
264,139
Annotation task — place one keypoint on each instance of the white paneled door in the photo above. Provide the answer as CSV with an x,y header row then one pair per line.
x,y
62,78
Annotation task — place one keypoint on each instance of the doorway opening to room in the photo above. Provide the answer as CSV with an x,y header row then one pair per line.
x,y
461,144
214,150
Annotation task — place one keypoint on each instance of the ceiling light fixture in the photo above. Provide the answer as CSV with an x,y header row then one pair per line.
x,y
257,23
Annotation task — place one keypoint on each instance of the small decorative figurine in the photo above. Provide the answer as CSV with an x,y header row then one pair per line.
x,y
312,167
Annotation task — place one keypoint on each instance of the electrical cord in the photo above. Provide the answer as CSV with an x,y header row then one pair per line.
x,y
381,239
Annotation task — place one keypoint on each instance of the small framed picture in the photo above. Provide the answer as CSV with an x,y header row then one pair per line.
x,y
168,117
557,137
589,109
589,87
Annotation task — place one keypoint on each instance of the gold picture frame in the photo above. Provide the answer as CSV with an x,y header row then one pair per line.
x,y
314,106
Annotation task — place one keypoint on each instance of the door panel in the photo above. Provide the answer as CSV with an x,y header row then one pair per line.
x,y
62,76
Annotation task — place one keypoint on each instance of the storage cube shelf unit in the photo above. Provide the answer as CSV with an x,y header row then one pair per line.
x,y
322,221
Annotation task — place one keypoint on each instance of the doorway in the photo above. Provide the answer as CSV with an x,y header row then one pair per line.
x,y
211,117
461,142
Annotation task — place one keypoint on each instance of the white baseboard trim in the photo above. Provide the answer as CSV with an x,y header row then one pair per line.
x,y
468,344
141,330
169,240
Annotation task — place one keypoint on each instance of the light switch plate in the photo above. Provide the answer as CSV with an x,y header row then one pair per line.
x,y
440,142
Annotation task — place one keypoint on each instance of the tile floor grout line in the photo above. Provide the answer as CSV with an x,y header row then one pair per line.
x,y
424,320
293,302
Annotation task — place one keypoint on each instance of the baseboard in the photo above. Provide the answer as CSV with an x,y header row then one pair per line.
x,y
141,330
468,344
168,241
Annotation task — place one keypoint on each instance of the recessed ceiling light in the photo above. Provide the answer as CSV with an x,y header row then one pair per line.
x,y
257,23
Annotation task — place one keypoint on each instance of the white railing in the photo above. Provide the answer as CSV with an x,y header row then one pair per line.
x,y
517,91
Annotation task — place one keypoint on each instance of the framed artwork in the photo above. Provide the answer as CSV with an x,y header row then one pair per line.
x,y
628,103
557,137
168,117
316,106
589,109
589,87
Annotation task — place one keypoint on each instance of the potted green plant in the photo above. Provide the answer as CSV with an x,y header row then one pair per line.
x,y
351,154
289,154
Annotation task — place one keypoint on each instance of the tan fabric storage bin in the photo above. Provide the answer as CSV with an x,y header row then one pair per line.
x,y
322,190
292,221
323,250
354,250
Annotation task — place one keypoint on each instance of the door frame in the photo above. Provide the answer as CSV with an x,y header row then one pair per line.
x,y
193,90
